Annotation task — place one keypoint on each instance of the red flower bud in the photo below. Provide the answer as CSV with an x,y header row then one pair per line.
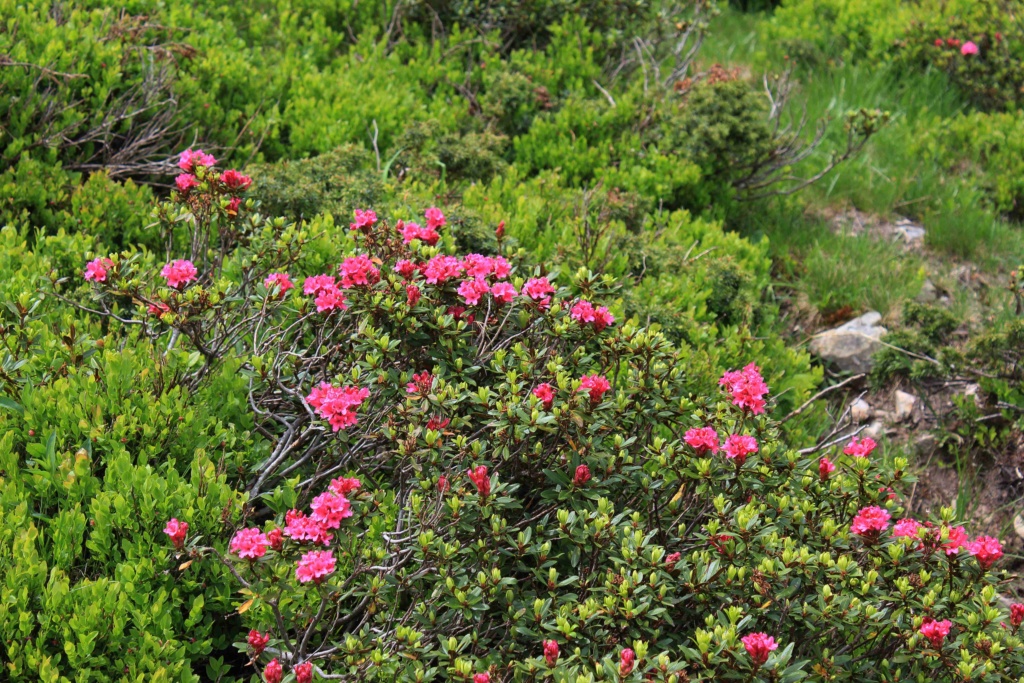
x,y
582,475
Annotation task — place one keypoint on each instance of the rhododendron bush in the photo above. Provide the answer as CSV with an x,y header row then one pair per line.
x,y
478,472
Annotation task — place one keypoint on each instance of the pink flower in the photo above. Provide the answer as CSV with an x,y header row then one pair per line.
x,y
414,231
191,159
330,299
585,314
956,539
412,295
442,268
233,206
249,544
627,659
499,231
595,385
158,308
421,383
825,468
935,631
344,486
503,292
337,405
185,182
703,439
870,522
987,549
177,531
472,290
235,180
1016,614
582,475
442,484
273,671
540,290
257,641
739,446
435,219
96,270
969,48
478,476
546,393
314,566
405,268
279,280
364,220
672,560
551,652
906,528
317,283
477,266
747,388
329,508
860,449
179,273
358,270
759,646
939,42
275,540
438,423
482,678
301,528
304,673
500,268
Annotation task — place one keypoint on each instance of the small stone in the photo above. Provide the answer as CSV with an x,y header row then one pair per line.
x,y
851,345
910,234
925,444
1018,525
928,294
860,411
904,405
875,430
974,391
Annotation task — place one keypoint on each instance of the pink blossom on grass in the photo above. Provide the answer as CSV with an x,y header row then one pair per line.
x,y
969,48
435,219
191,159
503,292
279,280
235,181
345,485
303,529
540,291
472,290
273,672
185,182
315,284
478,475
365,220
358,271
860,448
825,468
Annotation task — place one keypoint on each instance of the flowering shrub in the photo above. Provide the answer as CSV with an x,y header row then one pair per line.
x,y
493,491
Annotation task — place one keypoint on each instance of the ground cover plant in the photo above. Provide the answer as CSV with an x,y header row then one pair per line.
x,y
464,351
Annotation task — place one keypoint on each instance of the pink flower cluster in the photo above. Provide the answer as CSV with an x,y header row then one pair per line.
x,y
870,522
364,220
435,219
582,475
585,314
414,231
935,631
825,468
540,291
739,446
281,281
987,549
185,182
627,660
759,646
299,527
179,273
176,531
258,641
421,383
329,508
358,271
546,393
702,439
337,405
315,566
235,181
860,448
96,270
328,296
595,385
190,160
551,652
478,475
747,388
249,544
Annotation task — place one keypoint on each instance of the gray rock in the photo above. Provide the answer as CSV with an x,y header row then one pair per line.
x,y
851,345
875,430
928,294
860,411
910,234
904,405
925,444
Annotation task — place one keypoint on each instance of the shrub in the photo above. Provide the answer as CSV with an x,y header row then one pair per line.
x,y
476,477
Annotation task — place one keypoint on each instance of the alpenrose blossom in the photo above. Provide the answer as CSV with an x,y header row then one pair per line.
x,y
860,448
437,423
906,528
258,641
825,468
358,271
303,529
249,544
672,560
191,159
935,631
435,219
235,181
330,299
956,538
315,284
345,485
185,182
595,385
273,672
176,531
329,508
442,484
478,475
276,540
414,231
759,646
304,673
539,290
405,268
158,308
315,566
503,293
179,272
703,439
442,268
969,48
365,220
1016,614
987,549
337,405
739,446
96,270
412,295
499,231
870,522
582,475
627,660
551,652
546,393
421,383
747,388
584,313
279,280
472,290
482,678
